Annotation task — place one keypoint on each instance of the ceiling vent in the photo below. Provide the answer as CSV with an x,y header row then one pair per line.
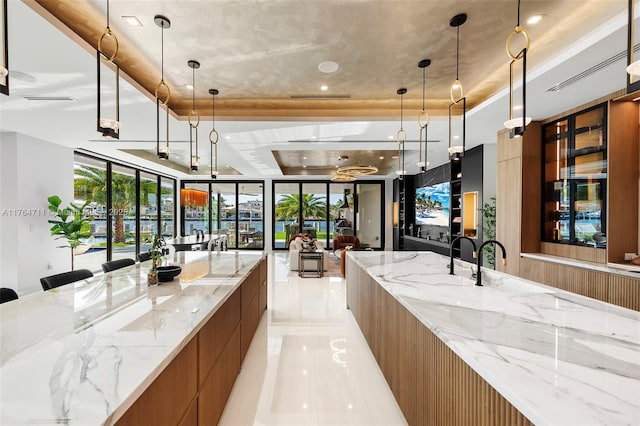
x,y
320,97
597,67
49,98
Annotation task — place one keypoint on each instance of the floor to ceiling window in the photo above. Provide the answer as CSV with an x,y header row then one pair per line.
x,y
314,211
148,208
236,210
286,212
195,214
123,212
119,228
167,207
90,184
327,209
250,215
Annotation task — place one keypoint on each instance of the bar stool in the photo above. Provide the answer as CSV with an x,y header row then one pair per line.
x,y
117,264
7,294
64,278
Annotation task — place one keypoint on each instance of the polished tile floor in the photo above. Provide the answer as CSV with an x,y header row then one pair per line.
x,y
308,363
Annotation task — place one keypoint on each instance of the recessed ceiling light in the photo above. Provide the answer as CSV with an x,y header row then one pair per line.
x,y
534,19
189,86
132,20
395,156
227,137
337,166
304,158
390,137
314,137
324,87
456,137
304,166
382,158
328,67
517,107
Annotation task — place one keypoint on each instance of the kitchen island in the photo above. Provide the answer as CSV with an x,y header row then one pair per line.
x,y
112,350
510,352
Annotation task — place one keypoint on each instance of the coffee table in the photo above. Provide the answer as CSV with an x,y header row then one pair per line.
x,y
313,259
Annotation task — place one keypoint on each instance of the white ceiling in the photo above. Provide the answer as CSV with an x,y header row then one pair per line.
x,y
61,67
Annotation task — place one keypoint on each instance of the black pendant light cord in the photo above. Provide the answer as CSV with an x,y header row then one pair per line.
x,y
107,13
424,72
458,52
518,13
162,54
193,89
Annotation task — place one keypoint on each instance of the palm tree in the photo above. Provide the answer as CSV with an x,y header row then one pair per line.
x,y
91,184
313,207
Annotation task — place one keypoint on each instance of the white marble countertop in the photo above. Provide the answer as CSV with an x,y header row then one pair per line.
x,y
558,357
626,270
81,354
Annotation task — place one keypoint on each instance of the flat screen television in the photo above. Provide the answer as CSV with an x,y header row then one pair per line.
x,y
432,204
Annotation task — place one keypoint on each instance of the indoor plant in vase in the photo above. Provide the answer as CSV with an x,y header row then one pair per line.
x,y
156,250
70,223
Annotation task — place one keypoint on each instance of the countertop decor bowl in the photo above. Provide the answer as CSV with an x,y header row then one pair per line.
x,y
168,273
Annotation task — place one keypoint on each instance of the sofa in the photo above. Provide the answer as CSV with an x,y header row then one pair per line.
x,y
342,241
295,245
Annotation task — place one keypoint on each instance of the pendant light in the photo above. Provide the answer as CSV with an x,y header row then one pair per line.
x,y
517,126
194,117
457,93
213,135
401,136
423,119
109,127
162,151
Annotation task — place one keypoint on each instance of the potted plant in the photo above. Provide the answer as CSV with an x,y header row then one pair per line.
x,y
70,223
156,251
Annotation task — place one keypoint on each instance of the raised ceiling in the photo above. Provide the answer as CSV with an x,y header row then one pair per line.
x,y
252,55
261,53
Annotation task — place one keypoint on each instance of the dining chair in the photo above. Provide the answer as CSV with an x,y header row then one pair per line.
x,y
143,257
112,265
7,294
58,280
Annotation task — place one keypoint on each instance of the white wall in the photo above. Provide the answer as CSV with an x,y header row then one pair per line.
x,y
30,171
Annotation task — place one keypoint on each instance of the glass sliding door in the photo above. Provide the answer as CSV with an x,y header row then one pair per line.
x,y
90,184
286,212
369,214
340,215
195,213
167,208
313,205
123,212
148,209
224,211
250,215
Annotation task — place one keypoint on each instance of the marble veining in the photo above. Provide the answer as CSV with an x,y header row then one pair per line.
x,y
81,354
558,357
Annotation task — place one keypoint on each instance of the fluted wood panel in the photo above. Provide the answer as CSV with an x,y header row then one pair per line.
x,y
452,393
624,291
577,280
396,351
532,269
431,384
588,254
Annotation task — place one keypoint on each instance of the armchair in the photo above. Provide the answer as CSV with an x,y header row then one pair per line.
x,y
341,241
295,245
